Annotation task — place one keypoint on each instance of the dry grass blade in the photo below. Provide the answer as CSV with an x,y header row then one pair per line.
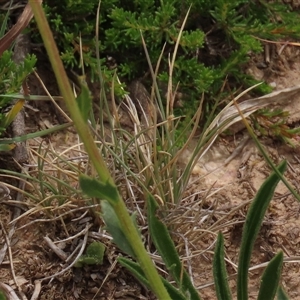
x,y
230,115
59,252
51,98
8,245
36,291
11,35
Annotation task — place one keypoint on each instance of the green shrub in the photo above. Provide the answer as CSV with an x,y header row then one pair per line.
x,y
216,42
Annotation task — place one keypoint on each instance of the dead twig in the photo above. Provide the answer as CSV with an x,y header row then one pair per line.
x,y
37,290
83,245
8,291
60,253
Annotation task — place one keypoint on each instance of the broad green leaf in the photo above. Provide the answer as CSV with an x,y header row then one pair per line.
x,y
94,255
166,248
271,277
281,294
252,225
10,116
96,249
109,192
84,100
97,189
85,260
114,228
137,271
219,270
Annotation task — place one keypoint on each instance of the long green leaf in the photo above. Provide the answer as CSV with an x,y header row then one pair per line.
x,y
109,192
137,271
281,294
165,246
219,270
252,225
84,100
271,277
114,228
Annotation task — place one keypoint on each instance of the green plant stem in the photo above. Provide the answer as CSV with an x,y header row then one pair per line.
x,y
66,91
265,155
94,154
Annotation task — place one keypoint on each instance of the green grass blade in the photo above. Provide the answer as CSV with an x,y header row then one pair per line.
x,y
7,147
268,159
165,246
252,225
281,294
33,135
5,21
137,271
219,270
270,279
